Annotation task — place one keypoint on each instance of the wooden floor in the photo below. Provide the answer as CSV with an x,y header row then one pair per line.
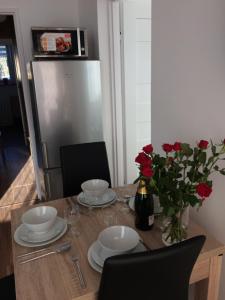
x,y
17,188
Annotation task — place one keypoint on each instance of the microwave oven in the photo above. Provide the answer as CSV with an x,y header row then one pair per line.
x,y
59,42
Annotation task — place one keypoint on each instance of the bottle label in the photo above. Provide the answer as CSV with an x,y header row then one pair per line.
x,y
150,220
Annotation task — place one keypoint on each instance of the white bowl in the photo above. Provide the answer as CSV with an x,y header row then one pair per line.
x,y
116,240
39,219
94,187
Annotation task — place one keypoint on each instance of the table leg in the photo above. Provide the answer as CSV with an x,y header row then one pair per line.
x,y
208,289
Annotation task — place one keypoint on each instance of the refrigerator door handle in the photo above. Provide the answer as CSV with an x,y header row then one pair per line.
x,y
49,194
45,154
78,41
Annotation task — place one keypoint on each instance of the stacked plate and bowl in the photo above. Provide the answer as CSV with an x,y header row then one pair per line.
x,y
40,226
96,193
114,240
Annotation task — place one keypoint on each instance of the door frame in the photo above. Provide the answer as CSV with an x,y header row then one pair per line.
x,y
120,126
25,87
109,30
19,74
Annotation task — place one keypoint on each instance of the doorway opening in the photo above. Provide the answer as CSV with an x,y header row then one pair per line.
x,y
17,179
16,168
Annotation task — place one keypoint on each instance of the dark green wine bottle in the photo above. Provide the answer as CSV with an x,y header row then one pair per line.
x,y
144,207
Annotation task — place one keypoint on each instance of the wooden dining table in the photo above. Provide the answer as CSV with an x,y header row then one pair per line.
x,y
54,277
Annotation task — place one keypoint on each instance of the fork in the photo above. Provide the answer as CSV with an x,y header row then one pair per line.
x,y
59,249
76,263
43,249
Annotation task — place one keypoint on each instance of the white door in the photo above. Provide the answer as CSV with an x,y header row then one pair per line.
x,y
136,53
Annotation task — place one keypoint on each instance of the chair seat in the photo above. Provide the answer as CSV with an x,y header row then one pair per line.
x,y
7,288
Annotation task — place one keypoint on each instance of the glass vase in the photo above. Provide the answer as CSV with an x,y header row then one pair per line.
x,y
175,227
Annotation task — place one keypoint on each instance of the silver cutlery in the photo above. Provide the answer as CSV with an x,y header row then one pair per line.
x,y
43,249
57,249
76,263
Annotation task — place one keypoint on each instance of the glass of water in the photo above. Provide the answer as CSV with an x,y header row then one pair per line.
x,y
109,216
72,216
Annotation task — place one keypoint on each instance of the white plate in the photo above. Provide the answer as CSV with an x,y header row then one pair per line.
x,y
107,199
97,267
33,237
95,248
92,263
19,241
95,253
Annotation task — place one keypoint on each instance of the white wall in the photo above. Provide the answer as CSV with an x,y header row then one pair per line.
x,y
88,18
104,55
188,86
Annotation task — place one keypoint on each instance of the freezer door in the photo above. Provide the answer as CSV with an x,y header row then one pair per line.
x,y
53,184
68,105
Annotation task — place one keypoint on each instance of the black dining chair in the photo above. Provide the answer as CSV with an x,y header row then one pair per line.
x,y
152,275
7,288
82,162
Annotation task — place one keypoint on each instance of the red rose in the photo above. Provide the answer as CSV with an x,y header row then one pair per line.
x,y
224,141
203,190
147,171
177,146
203,144
148,149
143,159
167,147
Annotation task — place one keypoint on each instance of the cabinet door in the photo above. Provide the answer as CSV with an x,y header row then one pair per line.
x,y
137,79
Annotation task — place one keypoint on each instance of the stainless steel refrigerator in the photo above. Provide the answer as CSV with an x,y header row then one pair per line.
x,y
66,103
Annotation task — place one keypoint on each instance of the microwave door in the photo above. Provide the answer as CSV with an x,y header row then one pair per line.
x,y
59,42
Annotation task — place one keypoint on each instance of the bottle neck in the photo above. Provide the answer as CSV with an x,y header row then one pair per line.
x,y
142,188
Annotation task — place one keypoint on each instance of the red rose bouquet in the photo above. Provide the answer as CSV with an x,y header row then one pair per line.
x,y
180,178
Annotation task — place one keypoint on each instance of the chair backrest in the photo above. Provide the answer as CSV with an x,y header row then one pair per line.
x,y
7,288
82,162
152,275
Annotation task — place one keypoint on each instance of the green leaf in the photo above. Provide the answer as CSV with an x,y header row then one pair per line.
x,y
171,211
191,163
185,146
186,149
192,199
202,157
206,171
213,148
209,182
210,160
196,151
190,174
